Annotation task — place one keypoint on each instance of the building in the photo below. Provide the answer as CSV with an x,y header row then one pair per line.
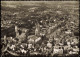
x,y
21,36
58,50
37,30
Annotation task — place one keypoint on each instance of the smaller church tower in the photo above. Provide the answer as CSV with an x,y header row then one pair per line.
x,y
5,39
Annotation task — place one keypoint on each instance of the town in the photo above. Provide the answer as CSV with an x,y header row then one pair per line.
x,y
40,31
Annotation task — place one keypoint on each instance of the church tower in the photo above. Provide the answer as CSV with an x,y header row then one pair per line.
x,y
37,30
16,30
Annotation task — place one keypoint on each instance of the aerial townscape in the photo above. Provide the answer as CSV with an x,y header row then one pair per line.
x,y
39,28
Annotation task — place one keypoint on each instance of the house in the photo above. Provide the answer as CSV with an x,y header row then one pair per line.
x,y
49,45
68,32
32,9
30,46
76,49
66,47
72,52
58,50
34,39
